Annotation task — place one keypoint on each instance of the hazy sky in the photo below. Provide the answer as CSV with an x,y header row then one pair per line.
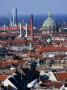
x,y
33,6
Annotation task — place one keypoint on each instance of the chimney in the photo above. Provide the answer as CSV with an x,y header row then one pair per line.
x,y
26,30
10,19
13,17
16,17
20,30
31,28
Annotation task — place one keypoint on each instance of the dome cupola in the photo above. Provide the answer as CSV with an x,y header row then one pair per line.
x,y
49,23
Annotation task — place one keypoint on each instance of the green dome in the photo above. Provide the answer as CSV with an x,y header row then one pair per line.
x,y
49,23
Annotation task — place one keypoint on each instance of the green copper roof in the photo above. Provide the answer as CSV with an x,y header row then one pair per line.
x,y
49,22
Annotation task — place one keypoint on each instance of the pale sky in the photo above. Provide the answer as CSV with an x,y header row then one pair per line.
x,y
33,6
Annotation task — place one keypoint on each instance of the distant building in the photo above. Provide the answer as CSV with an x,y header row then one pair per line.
x,y
49,25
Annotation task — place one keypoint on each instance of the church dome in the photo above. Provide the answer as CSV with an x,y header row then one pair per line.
x,y
49,23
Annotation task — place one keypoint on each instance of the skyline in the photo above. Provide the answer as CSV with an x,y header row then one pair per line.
x,y
25,7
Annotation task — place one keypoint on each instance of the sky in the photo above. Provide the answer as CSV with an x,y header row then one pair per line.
x,y
27,7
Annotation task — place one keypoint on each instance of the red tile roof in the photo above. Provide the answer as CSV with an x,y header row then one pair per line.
x,y
49,85
18,41
3,77
2,42
9,62
60,34
61,76
8,34
34,54
39,34
52,48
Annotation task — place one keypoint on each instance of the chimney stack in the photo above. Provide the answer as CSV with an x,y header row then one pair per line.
x,y
31,28
13,17
26,30
20,35
16,17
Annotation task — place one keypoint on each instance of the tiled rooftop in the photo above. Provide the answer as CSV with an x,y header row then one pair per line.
x,y
52,48
3,77
61,76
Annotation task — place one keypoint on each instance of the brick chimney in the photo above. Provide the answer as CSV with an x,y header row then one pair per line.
x,y
31,28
